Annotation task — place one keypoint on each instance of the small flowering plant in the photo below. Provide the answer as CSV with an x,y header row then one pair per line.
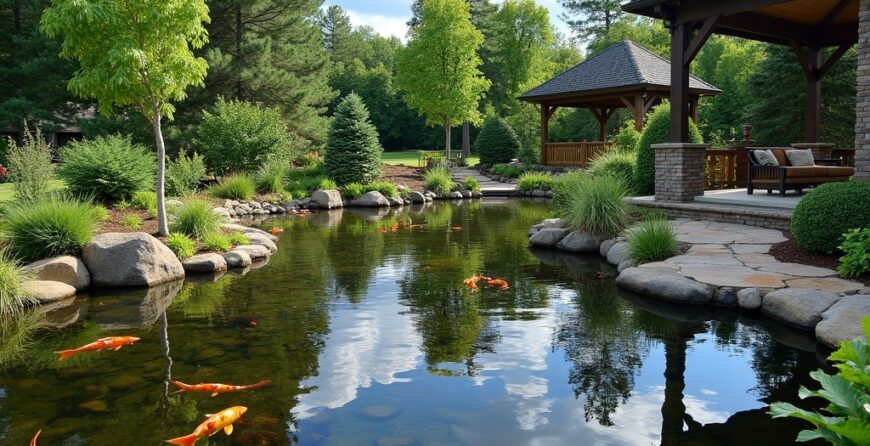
x,y
3,174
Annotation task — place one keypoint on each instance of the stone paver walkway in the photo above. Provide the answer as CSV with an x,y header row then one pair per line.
x,y
488,187
731,255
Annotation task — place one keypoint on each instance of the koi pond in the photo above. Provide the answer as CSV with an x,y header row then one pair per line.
x,y
370,338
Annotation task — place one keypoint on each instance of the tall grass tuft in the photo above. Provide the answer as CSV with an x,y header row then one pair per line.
x,y
270,177
651,241
216,241
439,179
14,297
530,181
234,187
594,205
146,201
182,245
471,184
52,226
196,219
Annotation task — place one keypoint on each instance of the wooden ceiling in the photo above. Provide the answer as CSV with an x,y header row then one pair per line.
x,y
814,12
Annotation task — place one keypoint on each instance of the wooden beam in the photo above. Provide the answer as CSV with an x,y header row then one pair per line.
x,y
680,36
802,60
814,96
701,38
693,10
545,131
835,11
833,59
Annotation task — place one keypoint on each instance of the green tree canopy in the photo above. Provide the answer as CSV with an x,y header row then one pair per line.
x,y
591,18
337,33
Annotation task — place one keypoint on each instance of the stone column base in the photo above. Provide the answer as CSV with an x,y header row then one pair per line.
x,y
679,171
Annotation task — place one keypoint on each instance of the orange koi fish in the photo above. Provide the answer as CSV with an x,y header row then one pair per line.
x,y
221,420
276,231
394,227
215,389
114,343
471,282
501,284
382,230
35,437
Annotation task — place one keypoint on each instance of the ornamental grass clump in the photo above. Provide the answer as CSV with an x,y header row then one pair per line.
x,y
651,241
182,245
234,187
30,168
439,180
14,297
131,221
530,181
471,184
239,238
196,219
216,241
52,226
594,204
107,168
617,163
270,177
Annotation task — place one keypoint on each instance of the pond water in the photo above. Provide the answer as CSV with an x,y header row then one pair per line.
x,y
370,338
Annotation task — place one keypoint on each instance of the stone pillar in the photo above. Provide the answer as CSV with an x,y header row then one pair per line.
x,y
820,150
862,124
679,171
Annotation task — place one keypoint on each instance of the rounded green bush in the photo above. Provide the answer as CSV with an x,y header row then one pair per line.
x,y
234,187
107,168
196,219
627,138
617,163
240,136
353,152
656,131
829,211
497,142
52,226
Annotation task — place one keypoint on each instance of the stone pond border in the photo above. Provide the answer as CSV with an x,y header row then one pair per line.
x,y
728,266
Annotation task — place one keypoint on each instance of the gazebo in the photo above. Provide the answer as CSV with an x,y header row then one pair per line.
x,y
808,26
625,75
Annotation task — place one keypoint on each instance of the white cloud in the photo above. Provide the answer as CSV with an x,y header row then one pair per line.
x,y
383,25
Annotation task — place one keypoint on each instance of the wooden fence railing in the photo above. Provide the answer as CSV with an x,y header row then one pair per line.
x,y
847,155
721,170
573,154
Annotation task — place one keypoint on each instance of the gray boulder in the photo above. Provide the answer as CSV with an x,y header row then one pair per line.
x,y
665,285
618,253
625,265
237,259
726,297
47,291
248,230
398,202
417,197
205,263
553,223
326,199
539,193
605,247
223,212
581,242
176,203
548,238
255,252
259,239
130,259
456,195
371,199
842,322
800,307
749,298
65,269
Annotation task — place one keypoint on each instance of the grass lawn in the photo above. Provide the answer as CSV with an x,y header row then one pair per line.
x,y
410,158
7,192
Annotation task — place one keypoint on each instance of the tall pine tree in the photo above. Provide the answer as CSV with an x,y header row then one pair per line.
x,y
591,18
337,32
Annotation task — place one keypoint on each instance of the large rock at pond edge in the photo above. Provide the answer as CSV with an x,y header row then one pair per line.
x,y
581,242
417,197
665,285
205,263
618,253
256,252
237,259
248,230
47,291
548,238
134,259
371,199
842,322
65,269
800,307
259,239
326,199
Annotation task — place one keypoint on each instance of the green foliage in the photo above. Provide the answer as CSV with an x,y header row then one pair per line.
x,y
353,191
51,226
856,246
656,131
234,187
507,170
471,184
29,166
184,174
829,211
847,422
439,179
353,152
617,163
593,204
238,239
326,184
270,177
196,219
497,142
146,201
182,245
107,168
386,188
592,18
131,221
241,136
13,296
216,241
529,155
100,212
651,241
627,138
530,181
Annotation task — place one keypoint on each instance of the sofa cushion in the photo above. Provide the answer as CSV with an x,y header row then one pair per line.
x,y
806,171
840,172
800,158
765,158
779,153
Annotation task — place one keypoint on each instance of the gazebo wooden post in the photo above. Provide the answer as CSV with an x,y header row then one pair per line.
x,y
680,38
639,111
546,113
815,70
693,109
602,115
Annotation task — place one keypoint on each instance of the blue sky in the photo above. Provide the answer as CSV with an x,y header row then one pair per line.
x,y
388,17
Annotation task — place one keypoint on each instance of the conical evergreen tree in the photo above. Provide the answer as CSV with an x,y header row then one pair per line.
x,y
353,153
497,142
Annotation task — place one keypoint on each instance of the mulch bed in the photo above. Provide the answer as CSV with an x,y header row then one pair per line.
x,y
790,252
404,175
115,222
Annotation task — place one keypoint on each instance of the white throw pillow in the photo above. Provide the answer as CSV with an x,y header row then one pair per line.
x,y
800,158
766,158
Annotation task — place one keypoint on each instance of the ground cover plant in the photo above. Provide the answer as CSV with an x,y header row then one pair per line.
x,y
386,188
856,247
107,168
530,181
216,241
270,177
471,184
353,191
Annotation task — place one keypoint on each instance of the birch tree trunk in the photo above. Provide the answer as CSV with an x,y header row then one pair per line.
x,y
466,141
162,226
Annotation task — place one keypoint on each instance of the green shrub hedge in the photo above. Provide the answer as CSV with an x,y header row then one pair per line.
x,y
657,131
829,211
184,174
617,163
497,142
107,168
51,226
353,152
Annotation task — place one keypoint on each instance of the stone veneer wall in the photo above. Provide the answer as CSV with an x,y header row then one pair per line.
x,y
862,124
679,171
762,218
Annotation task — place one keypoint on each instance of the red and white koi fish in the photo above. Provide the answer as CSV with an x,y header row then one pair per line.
x,y
114,343
500,283
35,437
222,420
215,388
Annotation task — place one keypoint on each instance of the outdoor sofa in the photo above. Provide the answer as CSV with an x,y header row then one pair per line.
x,y
776,170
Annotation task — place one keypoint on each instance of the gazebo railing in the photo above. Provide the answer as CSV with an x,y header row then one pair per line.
x,y
721,168
573,154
